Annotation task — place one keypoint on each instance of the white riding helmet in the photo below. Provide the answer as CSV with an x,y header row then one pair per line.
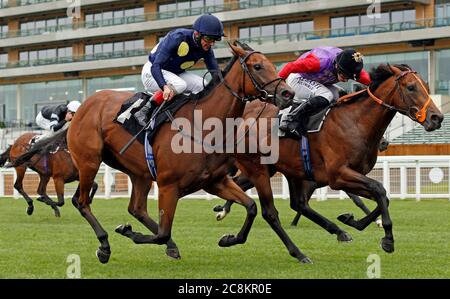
x,y
73,106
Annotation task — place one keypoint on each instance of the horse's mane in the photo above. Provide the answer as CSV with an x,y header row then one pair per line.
x,y
42,147
380,74
215,77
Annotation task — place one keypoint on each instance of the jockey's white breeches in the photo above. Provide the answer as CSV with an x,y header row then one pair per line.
x,y
306,89
186,81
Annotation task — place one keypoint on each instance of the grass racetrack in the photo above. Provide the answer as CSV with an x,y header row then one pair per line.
x,y
37,246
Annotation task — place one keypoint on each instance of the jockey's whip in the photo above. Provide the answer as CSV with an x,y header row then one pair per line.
x,y
126,146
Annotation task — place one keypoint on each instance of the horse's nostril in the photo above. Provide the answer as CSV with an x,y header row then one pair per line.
x,y
436,118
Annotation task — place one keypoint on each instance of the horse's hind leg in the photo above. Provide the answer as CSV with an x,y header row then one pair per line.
x,y
138,208
227,189
18,185
304,191
43,197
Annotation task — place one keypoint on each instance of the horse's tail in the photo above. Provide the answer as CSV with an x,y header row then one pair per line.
x,y
41,147
4,157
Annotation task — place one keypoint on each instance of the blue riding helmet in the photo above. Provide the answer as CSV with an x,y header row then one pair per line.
x,y
209,25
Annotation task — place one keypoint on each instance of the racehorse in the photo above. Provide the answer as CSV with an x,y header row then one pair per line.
x,y
340,161
94,137
246,184
55,163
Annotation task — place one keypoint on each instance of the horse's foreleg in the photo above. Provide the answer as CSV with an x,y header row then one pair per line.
x,y
81,201
304,191
43,197
227,189
354,182
138,208
245,184
359,203
59,187
262,183
18,185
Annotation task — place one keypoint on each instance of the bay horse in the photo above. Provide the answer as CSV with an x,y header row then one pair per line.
x,y
342,162
54,163
94,137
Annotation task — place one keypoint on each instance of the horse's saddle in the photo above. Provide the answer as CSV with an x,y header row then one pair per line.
x,y
125,116
315,122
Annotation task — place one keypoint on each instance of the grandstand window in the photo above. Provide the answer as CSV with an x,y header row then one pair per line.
x,y
275,29
114,14
45,53
354,21
114,47
3,29
442,73
3,3
442,9
185,5
3,58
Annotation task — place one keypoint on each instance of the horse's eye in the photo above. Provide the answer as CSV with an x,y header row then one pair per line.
x,y
257,66
411,87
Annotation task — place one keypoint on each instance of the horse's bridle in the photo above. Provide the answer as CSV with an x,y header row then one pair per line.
x,y
421,114
264,94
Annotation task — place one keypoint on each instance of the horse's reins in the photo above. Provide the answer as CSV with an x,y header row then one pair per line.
x,y
420,115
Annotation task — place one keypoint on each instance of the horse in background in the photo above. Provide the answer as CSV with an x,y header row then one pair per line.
x,y
52,161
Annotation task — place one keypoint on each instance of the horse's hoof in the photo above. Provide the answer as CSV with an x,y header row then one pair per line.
x,y
387,245
173,253
30,210
218,208
379,223
227,241
57,213
306,260
221,215
123,228
102,255
344,237
345,218
60,203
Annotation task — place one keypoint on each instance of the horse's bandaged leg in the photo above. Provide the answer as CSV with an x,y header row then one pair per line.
x,y
127,113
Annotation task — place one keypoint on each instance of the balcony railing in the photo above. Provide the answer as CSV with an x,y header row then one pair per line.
x,y
150,17
71,59
24,2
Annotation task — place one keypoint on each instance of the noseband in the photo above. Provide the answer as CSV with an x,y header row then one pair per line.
x,y
421,114
263,93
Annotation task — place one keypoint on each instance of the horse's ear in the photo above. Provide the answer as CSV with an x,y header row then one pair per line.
x,y
236,48
393,69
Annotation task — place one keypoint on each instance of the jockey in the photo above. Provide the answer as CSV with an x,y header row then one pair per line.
x,y
165,74
54,118
313,75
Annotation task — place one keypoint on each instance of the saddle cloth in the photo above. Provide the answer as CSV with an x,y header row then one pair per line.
x,y
125,116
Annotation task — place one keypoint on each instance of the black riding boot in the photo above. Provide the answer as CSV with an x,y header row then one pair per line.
x,y
144,114
297,119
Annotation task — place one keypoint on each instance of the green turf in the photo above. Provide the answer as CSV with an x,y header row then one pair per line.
x,y
37,246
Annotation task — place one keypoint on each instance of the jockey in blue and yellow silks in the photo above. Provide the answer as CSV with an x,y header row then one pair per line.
x,y
165,73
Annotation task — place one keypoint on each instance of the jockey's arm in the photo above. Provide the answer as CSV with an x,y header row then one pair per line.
x,y
163,54
58,126
211,62
308,64
364,78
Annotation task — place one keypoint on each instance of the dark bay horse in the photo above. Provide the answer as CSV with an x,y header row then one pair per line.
x,y
55,163
93,137
340,161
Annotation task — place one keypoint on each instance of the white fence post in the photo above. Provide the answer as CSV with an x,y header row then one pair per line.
x,y
130,186
107,181
403,182
418,180
386,178
284,188
155,186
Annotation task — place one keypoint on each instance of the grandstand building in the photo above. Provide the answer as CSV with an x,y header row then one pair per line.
x,y
54,51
